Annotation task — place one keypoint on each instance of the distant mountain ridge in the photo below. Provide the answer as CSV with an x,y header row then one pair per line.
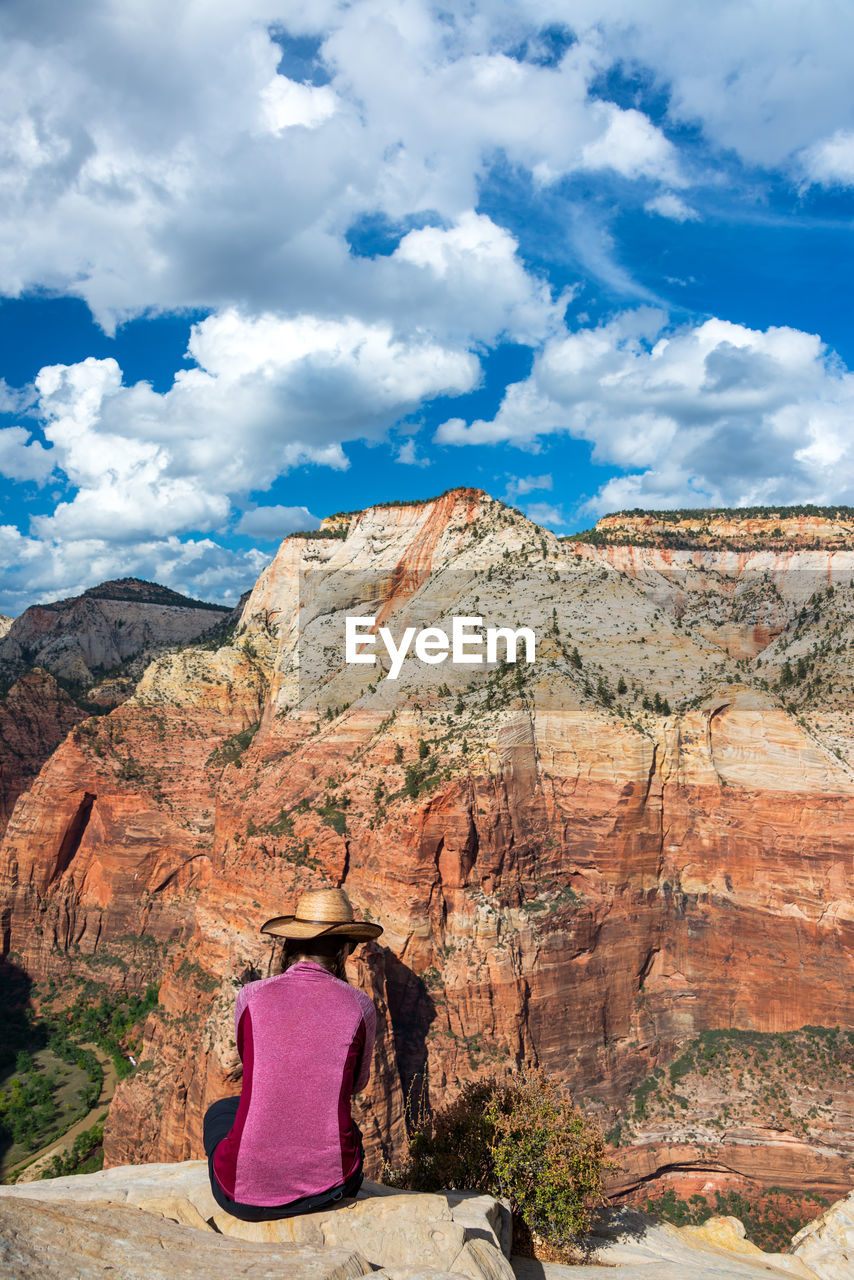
x,y
55,656
141,592
103,628
781,528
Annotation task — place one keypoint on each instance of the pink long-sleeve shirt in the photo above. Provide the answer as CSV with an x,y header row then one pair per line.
x,y
306,1040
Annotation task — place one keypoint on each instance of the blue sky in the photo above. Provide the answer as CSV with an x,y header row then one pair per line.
x,y
279,260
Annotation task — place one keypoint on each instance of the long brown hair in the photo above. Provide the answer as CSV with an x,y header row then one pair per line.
x,y
330,952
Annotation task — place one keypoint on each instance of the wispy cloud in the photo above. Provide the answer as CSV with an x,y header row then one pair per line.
x,y
517,487
669,205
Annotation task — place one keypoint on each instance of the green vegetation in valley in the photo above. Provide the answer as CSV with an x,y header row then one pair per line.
x,y
218,636
49,1076
79,692
43,1096
333,811
785,1076
281,826
106,1022
730,1078
420,776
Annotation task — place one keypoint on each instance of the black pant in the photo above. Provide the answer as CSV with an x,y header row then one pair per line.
x,y
219,1119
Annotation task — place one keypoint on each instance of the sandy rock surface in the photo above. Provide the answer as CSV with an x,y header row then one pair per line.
x,y
636,1249
61,1240
454,1234
827,1245
147,1221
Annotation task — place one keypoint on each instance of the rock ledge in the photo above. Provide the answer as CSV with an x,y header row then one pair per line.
x,y
160,1222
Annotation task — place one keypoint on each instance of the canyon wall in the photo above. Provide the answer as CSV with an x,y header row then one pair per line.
x,y
579,863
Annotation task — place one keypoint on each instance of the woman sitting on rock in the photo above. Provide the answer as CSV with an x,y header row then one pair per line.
x,y
288,1144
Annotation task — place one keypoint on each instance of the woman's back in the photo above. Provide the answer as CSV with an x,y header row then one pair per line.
x,y
305,1039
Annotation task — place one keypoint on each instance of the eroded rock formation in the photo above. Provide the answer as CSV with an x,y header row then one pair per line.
x,y
35,716
580,863
104,627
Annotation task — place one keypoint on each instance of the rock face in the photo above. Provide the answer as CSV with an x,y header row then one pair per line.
x,y
159,1221
35,716
579,863
827,1245
42,1241
75,639
103,627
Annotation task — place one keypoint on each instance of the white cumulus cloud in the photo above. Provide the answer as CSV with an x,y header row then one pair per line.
x,y
632,146
35,570
155,164
714,413
275,522
22,457
761,80
149,163
469,280
265,394
285,104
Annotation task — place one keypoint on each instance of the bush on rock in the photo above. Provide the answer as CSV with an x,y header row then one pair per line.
x,y
521,1137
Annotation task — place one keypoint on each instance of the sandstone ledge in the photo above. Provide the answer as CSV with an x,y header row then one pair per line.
x,y
399,1235
160,1222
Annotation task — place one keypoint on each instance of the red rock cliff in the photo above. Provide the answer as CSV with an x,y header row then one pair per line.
x,y
588,860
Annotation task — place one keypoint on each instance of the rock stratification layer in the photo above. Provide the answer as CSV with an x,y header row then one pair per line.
x,y
579,863
35,716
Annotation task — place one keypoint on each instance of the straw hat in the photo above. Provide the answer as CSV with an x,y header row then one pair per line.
x,y
322,913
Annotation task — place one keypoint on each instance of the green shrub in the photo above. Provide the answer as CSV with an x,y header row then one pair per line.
x,y
521,1137
332,813
230,750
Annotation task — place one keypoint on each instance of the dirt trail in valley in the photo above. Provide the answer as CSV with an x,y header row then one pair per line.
x,y
33,1166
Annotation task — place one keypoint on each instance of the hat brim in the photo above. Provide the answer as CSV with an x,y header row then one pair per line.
x,y
290,927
